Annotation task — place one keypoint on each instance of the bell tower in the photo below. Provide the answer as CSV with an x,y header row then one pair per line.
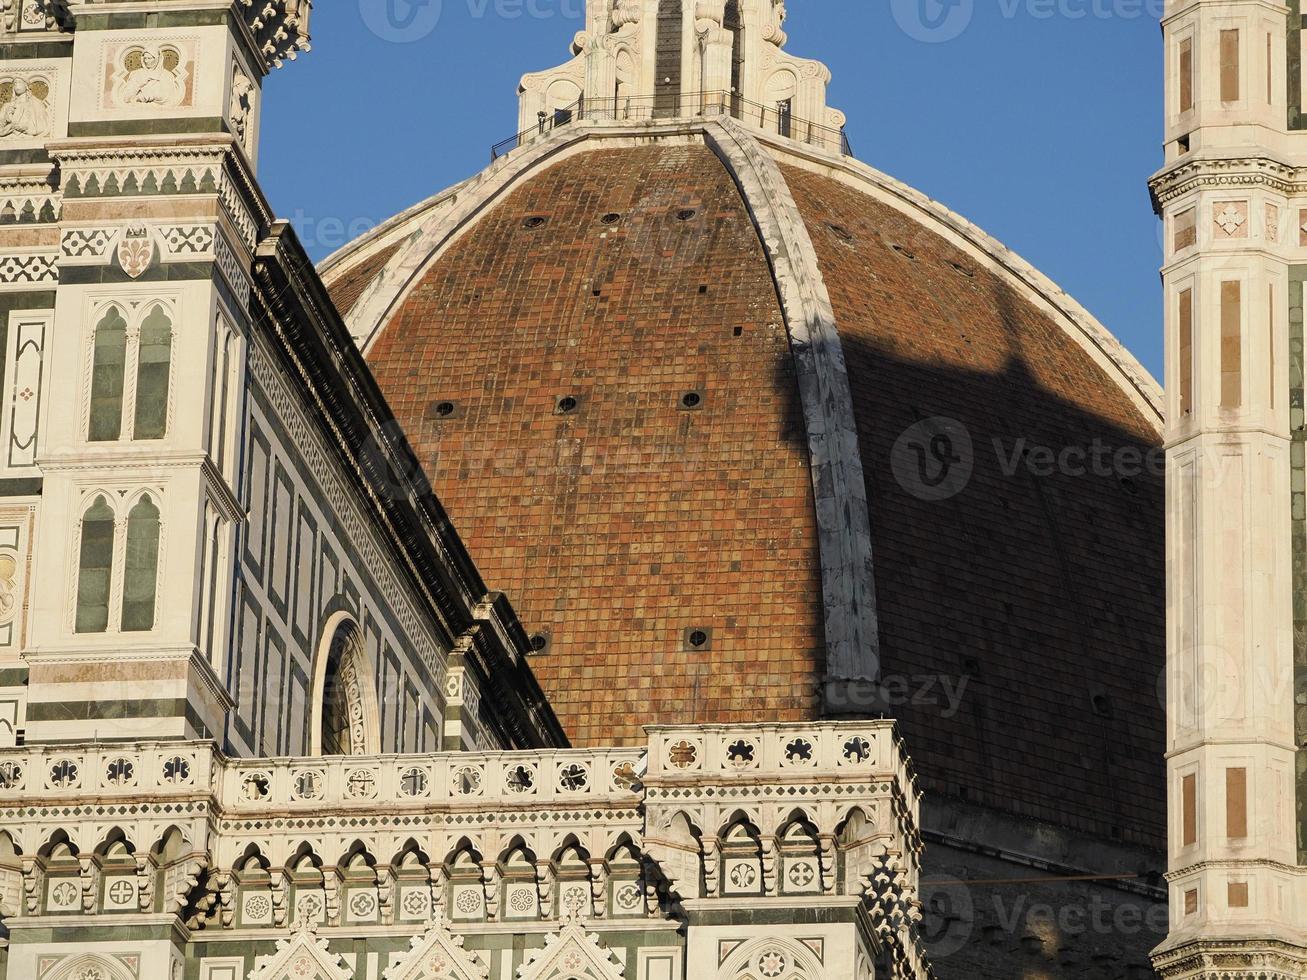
x,y
1233,201
128,218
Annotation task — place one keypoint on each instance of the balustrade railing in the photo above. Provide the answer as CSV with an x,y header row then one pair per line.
x,y
777,119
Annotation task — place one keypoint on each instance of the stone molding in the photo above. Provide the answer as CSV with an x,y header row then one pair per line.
x,y
785,792
839,488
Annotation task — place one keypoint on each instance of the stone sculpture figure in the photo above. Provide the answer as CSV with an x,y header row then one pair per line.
x,y
152,76
25,113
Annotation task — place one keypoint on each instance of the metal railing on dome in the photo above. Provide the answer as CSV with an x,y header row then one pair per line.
x,y
776,119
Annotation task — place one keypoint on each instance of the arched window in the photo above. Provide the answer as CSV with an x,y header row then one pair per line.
x,y
109,363
152,362
141,568
95,568
667,58
733,23
344,711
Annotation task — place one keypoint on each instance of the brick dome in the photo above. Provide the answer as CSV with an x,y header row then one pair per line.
x,y
688,393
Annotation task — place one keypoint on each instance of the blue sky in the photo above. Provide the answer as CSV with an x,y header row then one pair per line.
x,y
1039,120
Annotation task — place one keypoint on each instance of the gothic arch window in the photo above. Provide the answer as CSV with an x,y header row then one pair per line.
x,y
141,567
95,567
153,356
667,58
108,367
131,367
118,564
344,720
733,23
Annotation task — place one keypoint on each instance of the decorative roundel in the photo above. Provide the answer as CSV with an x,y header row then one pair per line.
x,y
361,784
467,780
413,781
120,772
63,895
65,773
255,786
575,900
857,750
801,875
741,754
362,904
522,901
573,777
468,902
624,775
743,876
177,770
303,967
800,751
416,902
11,775
627,897
307,784
310,906
257,906
682,754
519,778
772,963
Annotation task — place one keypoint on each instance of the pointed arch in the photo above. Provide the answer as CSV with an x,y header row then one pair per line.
x,y
564,950
108,371
772,956
95,566
153,366
141,565
302,955
88,965
669,54
437,943
345,719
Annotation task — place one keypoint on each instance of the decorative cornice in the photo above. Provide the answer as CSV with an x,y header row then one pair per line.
x,y
1232,959
1260,171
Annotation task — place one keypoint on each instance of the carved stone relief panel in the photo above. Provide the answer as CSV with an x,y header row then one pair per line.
x,y
23,393
150,74
16,525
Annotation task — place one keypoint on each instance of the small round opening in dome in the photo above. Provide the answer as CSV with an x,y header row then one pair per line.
x,y
534,222
840,232
903,252
697,638
611,218
539,641
566,405
685,214
962,269
691,399
444,409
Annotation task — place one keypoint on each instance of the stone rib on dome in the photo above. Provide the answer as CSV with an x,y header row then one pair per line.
x,y
1042,594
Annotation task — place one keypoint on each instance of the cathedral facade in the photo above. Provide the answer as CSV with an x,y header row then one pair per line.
x,y
636,561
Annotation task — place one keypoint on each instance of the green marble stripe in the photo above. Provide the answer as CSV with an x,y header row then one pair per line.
x,y
149,127
95,275
34,50
1294,66
153,20
1298,518
21,488
116,710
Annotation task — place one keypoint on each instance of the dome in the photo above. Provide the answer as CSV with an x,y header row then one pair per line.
x,y
726,416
